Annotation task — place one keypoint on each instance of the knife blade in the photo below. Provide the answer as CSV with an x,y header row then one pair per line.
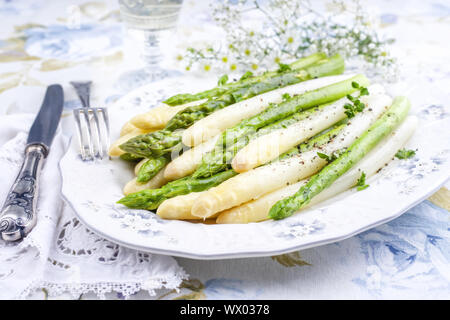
x,y
18,215
44,126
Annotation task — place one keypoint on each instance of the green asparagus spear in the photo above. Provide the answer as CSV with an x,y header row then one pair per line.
x,y
236,138
219,158
188,116
162,142
358,149
267,82
150,168
130,157
221,89
153,144
152,198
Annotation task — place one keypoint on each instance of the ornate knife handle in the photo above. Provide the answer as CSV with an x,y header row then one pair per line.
x,y
18,215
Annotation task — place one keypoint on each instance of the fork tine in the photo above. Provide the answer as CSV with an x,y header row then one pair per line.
x,y
82,136
98,140
90,145
105,139
79,132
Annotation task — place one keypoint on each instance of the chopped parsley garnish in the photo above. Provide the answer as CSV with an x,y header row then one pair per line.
x,y
361,183
222,80
405,154
356,105
355,84
327,157
363,92
283,67
286,96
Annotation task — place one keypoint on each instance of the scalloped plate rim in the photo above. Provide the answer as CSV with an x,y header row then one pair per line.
x,y
251,254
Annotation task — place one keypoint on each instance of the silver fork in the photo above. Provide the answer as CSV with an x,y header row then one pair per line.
x,y
92,125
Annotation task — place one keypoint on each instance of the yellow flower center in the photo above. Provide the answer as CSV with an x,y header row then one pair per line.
x,y
290,40
207,67
224,59
254,66
233,67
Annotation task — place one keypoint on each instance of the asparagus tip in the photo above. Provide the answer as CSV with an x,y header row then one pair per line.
x,y
275,212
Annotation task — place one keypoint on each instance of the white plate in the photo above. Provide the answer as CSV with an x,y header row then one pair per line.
x,y
92,189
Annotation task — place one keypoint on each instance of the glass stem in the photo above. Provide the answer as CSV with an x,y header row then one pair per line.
x,y
152,52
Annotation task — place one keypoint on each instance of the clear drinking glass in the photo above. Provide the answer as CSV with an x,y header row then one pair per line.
x,y
147,21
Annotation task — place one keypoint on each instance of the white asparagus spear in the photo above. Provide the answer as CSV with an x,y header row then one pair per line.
x,y
179,207
127,128
138,166
268,147
258,210
158,117
154,183
254,183
188,162
220,120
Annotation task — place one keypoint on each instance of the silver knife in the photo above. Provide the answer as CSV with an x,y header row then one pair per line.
x,y
18,215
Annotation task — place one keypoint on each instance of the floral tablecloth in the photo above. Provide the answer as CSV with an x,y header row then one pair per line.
x,y
43,42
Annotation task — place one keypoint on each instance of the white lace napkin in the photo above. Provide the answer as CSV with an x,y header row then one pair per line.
x,y
60,254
